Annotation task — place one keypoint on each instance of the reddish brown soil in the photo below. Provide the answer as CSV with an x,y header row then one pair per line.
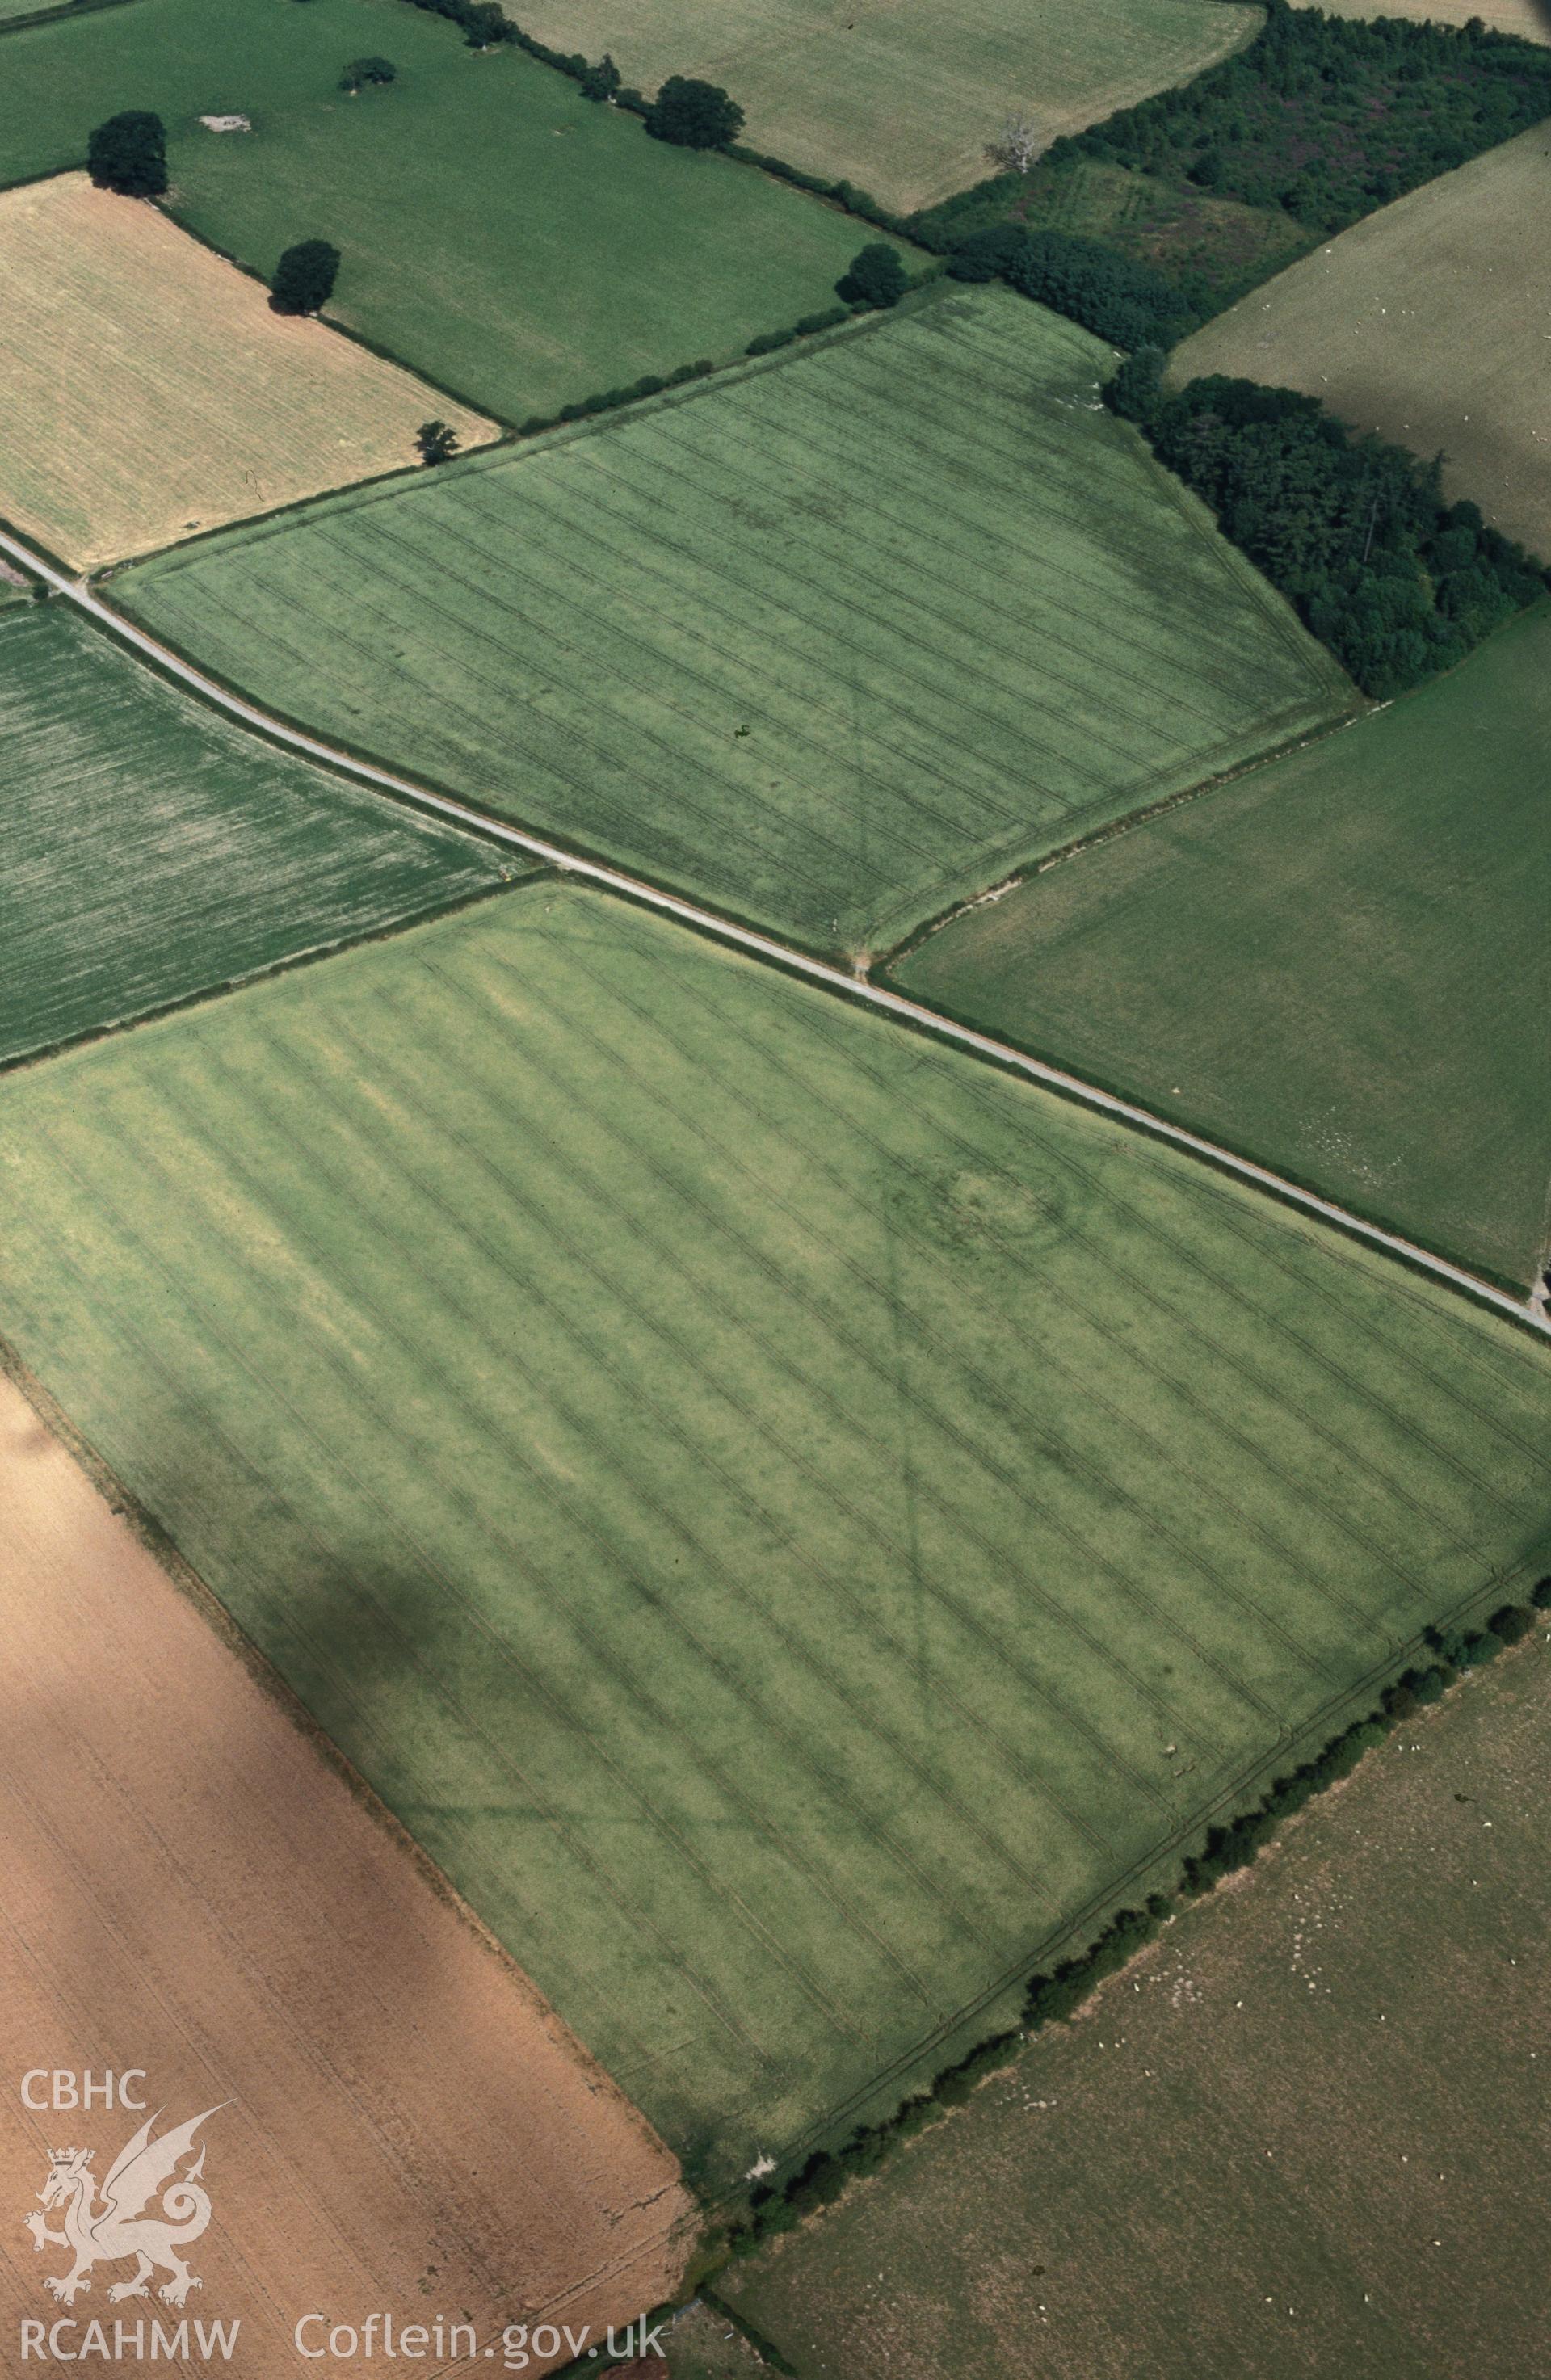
x,y
192,1887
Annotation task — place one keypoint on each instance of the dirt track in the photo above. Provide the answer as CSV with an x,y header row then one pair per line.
x,y
191,1888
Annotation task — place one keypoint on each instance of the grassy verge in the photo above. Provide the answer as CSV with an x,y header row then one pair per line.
x,y
155,852
831,642
1335,964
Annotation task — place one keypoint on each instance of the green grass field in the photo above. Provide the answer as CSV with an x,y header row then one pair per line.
x,y
152,851
834,644
792,1520
1299,2136
904,101
1429,322
1339,965
521,245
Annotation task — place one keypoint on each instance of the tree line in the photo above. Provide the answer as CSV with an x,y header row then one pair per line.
x,y
1352,528
1121,300
1056,1995
687,112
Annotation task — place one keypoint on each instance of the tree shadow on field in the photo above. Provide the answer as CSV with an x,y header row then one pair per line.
x,y
202,1888
403,1692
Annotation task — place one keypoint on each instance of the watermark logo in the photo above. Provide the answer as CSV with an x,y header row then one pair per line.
x,y
143,2208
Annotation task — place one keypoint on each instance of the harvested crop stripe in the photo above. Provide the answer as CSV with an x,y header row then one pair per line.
x,y
794,1521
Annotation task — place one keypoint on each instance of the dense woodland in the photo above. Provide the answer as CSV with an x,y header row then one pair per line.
x,y
1121,300
1331,116
1354,530
1320,120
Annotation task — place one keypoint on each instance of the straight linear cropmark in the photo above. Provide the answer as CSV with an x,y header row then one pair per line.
x,y
572,632
633,1354
763,946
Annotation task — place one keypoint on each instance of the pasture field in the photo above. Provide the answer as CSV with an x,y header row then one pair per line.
x,y
793,1521
149,391
1303,2133
1337,965
1428,321
903,102
834,643
153,851
703,2344
1530,20
498,232
191,1888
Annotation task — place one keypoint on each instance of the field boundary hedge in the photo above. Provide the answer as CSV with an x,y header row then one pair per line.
x,y
910,943
518,441
764,343
1059,1994
577,67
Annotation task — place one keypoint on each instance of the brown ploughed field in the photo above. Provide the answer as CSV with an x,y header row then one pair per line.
x,y
193,1888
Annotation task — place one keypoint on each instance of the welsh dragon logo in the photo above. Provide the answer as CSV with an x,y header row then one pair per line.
x,y
105,2233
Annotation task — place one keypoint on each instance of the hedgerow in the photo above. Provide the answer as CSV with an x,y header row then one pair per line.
x,y
608,400
1055,1997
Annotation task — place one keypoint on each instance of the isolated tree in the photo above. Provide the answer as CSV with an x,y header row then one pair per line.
x,y
484,24
437,442
694,114
602,81
304,277
1016,145
361,72
129,153
875,276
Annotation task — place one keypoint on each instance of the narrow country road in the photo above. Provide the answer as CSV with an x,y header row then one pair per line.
x,y
707,921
